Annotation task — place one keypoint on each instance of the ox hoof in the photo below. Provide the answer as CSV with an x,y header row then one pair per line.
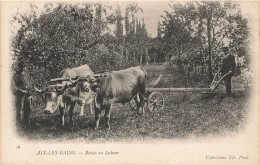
x,y
47,112
81,114
107,127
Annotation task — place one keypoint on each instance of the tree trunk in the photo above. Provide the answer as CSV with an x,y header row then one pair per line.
x,y
146,56
209,46
134,59
141,59
126,54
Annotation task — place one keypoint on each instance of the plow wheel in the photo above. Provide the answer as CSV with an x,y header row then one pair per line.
x,y
155,102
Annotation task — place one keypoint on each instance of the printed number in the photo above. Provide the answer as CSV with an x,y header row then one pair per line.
x,y
18,147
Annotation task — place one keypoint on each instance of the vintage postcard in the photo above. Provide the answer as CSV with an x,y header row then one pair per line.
x,y
129,82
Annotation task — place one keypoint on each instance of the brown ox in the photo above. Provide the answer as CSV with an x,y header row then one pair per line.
x,y
116,86
64,95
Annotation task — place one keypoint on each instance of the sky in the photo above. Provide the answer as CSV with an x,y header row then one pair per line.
x,y
151,12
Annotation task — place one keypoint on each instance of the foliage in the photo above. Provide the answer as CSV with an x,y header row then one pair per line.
x,y
66,35
197,31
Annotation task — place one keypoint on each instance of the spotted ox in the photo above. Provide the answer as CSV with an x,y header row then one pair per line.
x,y
116,87
63,94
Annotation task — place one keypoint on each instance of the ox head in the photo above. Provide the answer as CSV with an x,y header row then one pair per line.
x,y
52,96
86,87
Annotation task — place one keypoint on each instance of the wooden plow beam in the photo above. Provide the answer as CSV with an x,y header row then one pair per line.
x,y
178,89
212,88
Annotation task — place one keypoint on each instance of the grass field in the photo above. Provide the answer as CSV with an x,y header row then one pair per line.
x,y
180,118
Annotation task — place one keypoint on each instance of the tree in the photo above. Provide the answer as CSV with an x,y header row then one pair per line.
x,y
196,30
159,30
61,37
127,22
119,25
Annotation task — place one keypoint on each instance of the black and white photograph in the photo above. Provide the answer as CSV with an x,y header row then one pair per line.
x,y
130,82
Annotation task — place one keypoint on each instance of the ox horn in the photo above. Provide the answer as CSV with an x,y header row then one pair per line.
x,y
38,90
71,80
74,83
92,78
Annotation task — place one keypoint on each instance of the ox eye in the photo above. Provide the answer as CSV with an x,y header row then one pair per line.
x,y
86,89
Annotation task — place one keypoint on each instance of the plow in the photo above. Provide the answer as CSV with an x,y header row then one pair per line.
x,y
154,98
155,101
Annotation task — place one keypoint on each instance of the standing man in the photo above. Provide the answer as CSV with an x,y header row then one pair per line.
x,y
228,66
23,100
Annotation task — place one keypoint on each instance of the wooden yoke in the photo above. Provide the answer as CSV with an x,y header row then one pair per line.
x,y
75,78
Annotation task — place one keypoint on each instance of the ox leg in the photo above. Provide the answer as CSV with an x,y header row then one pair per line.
x,y
107,115
98,104
139,104
72,107
91,108
97,116
81,110
61,115
81,102
141,94
142,104
137,100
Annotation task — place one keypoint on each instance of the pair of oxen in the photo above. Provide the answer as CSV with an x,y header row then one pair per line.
x,y
102,90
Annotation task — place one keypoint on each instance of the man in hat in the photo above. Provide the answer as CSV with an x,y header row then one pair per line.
x,y
228,66
23,100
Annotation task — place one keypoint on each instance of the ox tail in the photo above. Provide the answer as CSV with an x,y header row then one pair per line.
x,y
156,81
146,75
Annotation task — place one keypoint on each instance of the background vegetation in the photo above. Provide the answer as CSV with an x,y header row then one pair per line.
x,y
107,37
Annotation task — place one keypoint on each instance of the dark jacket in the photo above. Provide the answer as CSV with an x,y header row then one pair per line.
x,y
228,64
19,84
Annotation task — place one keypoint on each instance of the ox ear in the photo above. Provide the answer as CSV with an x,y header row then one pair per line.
x,y
95,83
